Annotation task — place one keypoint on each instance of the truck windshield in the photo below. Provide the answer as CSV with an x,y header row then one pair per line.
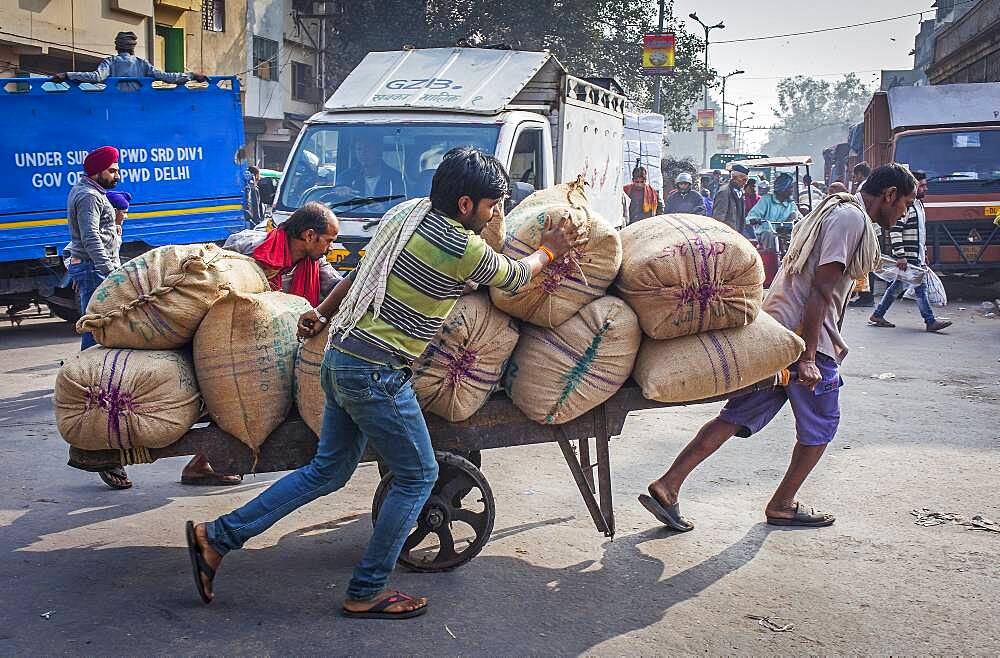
x,y
363,170
969,160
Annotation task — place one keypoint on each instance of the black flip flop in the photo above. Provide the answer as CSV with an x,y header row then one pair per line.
x,y
119,472
814,518
668,516
378,611
198,563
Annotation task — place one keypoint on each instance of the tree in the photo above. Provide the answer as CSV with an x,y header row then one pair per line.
x,y
590,37
813,114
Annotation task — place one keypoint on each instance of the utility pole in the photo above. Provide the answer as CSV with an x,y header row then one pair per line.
x,y
659,78
724,78
708,28
737,122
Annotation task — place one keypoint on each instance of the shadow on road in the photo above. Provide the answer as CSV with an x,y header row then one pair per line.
x,y
26,406
36,333
285,597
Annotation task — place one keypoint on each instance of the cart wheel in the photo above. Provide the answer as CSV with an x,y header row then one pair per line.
x,y
456,521
474,456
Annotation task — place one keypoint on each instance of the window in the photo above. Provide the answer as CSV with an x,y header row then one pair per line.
x,y
526,162
303,82
265,58
213,15
333,162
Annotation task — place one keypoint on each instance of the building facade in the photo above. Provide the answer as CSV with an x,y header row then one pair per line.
x,y
268,44
969,49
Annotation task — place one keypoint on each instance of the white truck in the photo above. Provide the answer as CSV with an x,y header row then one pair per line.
x,y
382,134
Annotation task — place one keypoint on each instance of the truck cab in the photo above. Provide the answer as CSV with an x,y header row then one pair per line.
x,y
383,133
951,133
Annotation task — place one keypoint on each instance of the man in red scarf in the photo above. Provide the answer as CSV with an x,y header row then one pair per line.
x,y
293,254
293,259
644,201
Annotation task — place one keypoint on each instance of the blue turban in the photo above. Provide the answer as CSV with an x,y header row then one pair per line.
x,y
119,200
783,183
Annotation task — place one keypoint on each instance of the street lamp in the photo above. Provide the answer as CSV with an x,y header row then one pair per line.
x,y
708,28
724,78
737,106
739,126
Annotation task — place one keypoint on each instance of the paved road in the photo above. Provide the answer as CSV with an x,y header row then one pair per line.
x,y
86,570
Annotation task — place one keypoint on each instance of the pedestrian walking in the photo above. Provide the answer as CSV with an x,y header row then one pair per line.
x,y
909,247
833,246
94,245
383,316
644,200
728,205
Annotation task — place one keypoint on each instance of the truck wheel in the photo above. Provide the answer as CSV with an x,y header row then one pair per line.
x,y
456,521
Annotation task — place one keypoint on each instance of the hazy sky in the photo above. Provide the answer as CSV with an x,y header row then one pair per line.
x,y
863,50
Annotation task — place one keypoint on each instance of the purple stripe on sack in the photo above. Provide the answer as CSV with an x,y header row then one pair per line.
x,y
723,361
463,367
557,271
703,290
110,398
547,338
736,361
708,354
153,315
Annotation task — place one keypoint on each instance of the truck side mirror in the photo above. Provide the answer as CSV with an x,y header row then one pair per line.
x,y
520,192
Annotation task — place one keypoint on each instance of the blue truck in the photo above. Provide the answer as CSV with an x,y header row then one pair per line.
x,y
182,161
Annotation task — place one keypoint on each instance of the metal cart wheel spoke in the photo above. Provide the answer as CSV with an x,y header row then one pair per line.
x,y
455,522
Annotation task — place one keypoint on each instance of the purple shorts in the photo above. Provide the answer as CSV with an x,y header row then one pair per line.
x,y
817,412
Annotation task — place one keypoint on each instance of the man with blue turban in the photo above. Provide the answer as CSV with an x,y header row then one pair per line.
x,y
774,208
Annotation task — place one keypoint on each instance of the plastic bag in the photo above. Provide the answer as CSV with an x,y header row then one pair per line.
x,y
936,294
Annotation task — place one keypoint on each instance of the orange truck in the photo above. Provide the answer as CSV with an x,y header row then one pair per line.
x,y
952,134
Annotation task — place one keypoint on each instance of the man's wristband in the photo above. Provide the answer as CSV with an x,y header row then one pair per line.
x,y
548,252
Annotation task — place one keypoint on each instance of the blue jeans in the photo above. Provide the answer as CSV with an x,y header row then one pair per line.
x,y
86,279
898,286
364,402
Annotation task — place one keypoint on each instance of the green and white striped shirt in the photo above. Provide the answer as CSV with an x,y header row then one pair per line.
x,y
422,288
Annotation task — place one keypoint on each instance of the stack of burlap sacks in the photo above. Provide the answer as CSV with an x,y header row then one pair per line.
x,y
697,287
181,329
684,320
184,328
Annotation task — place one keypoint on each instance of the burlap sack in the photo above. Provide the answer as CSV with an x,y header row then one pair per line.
x,y
309,396
495,231
558,374
244,356
684,274
573,281
157,300
109,399
716,362
464,364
